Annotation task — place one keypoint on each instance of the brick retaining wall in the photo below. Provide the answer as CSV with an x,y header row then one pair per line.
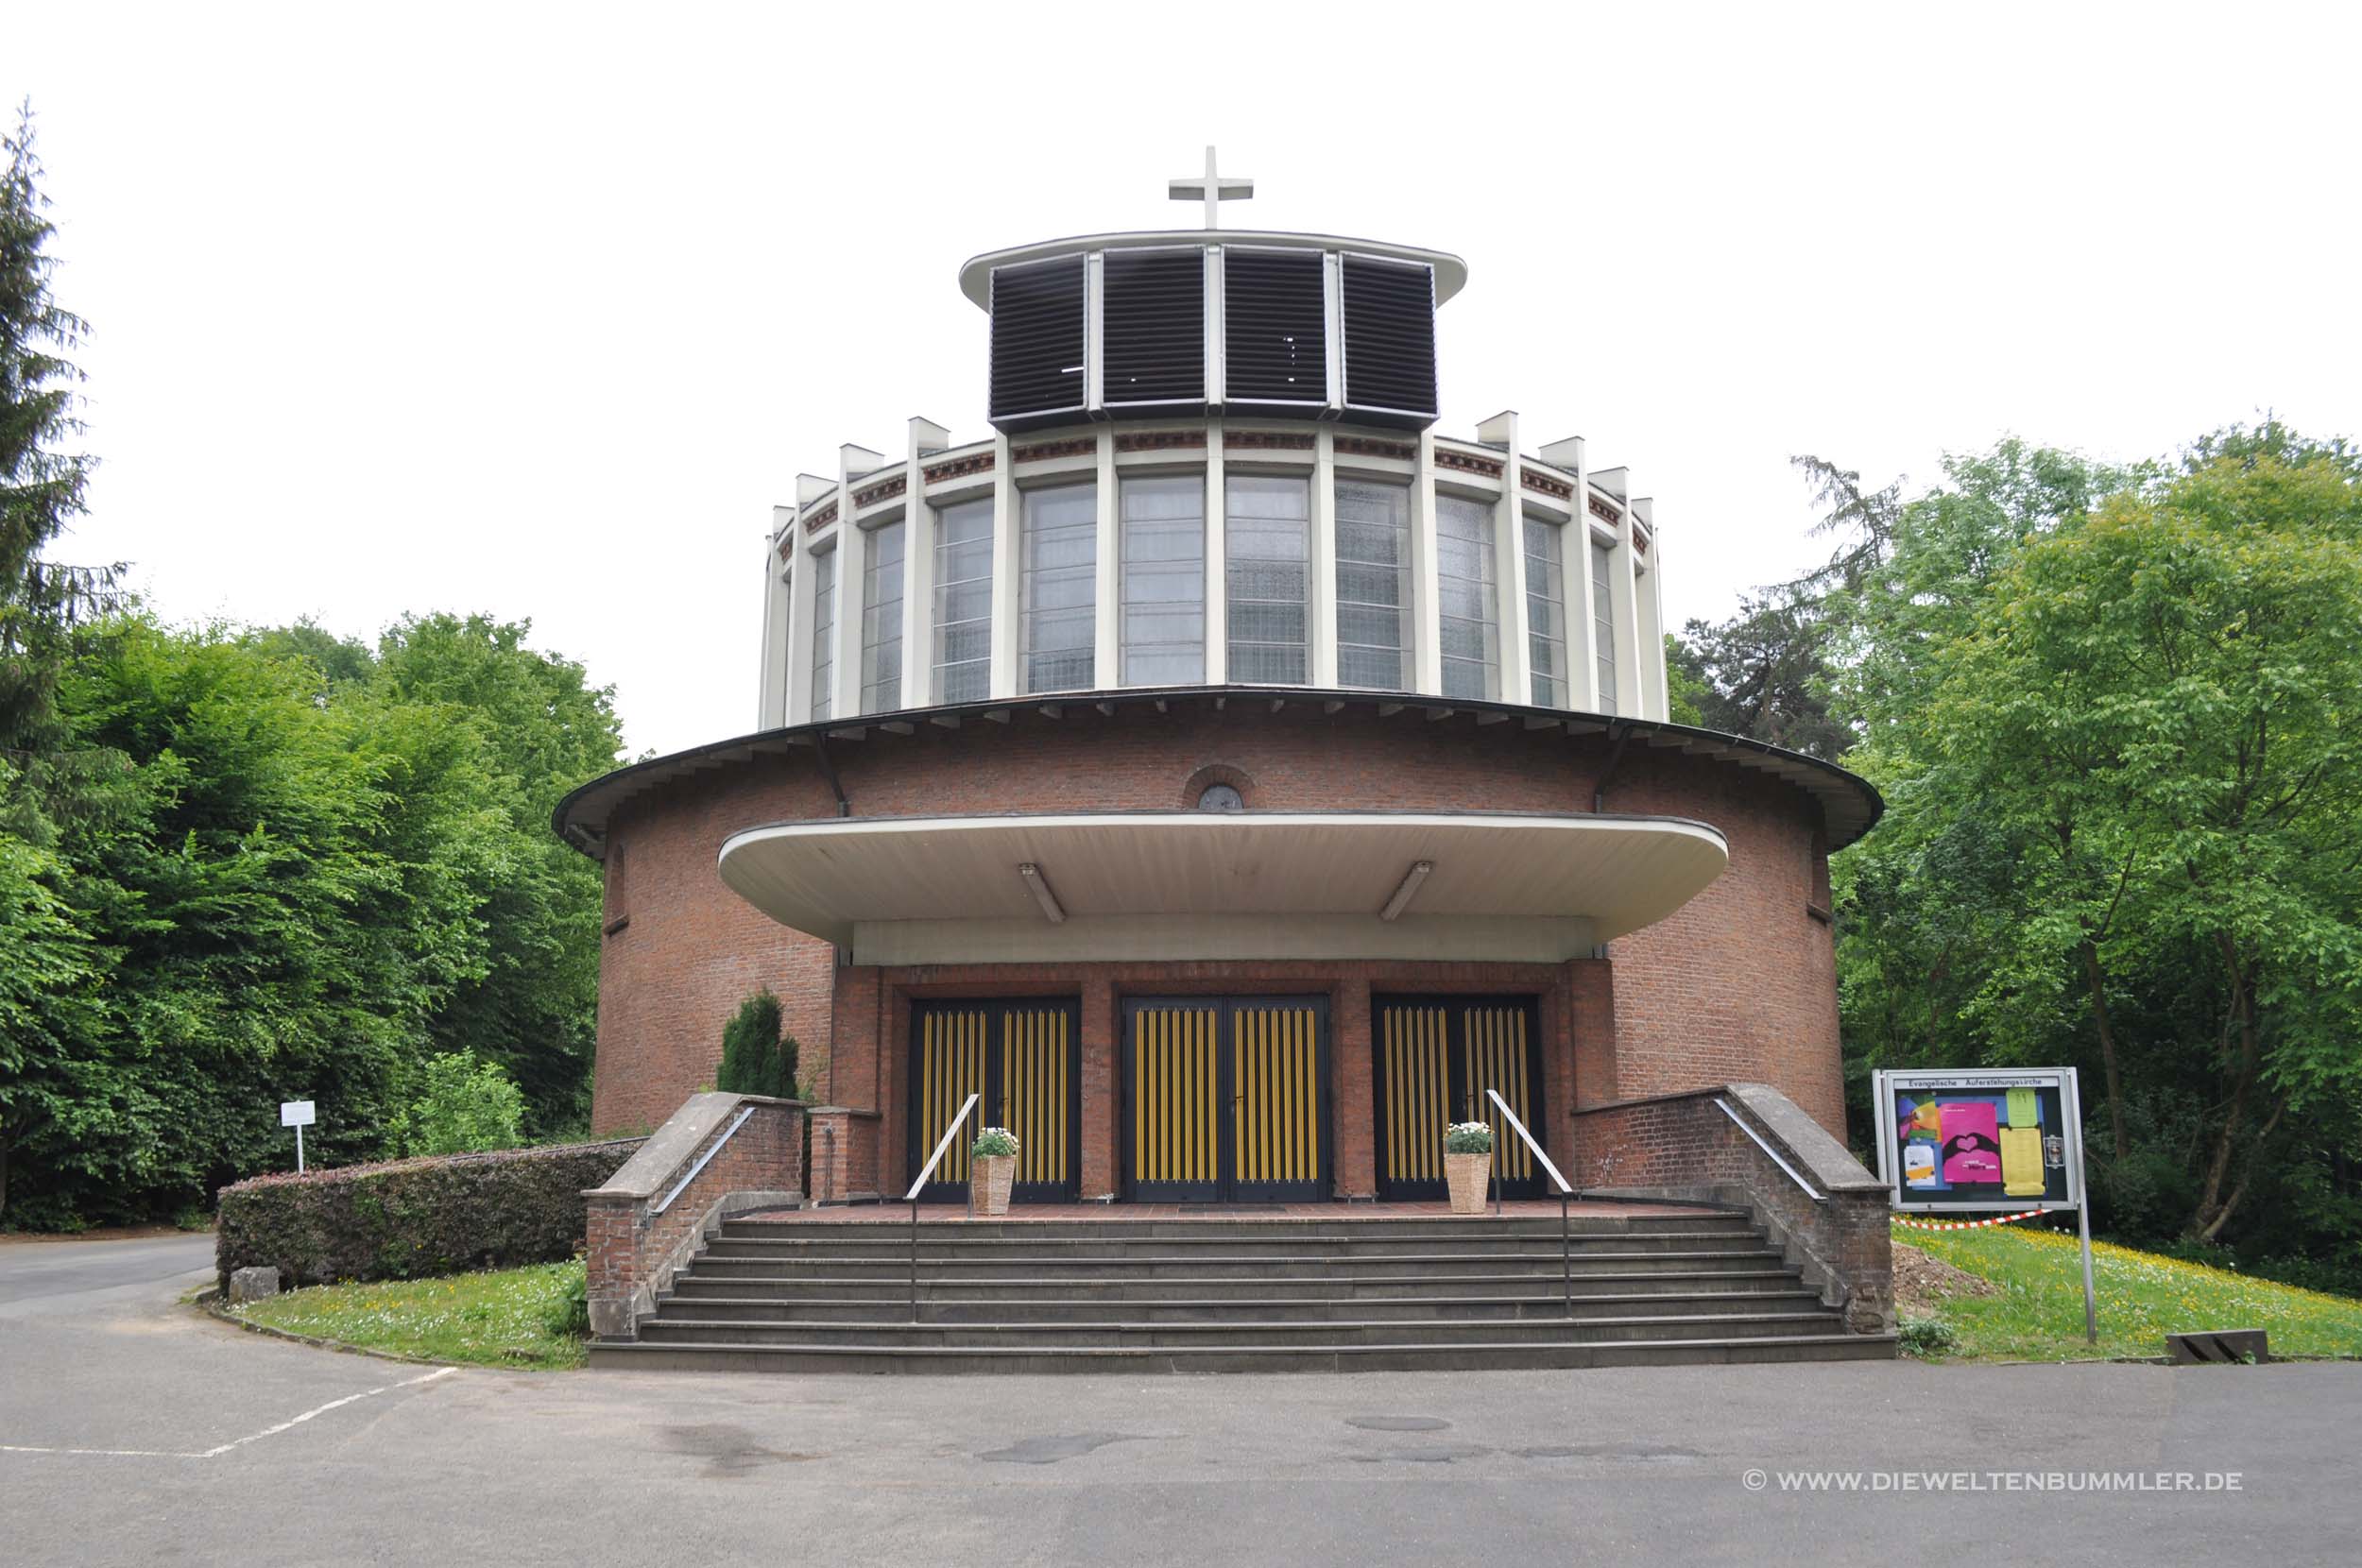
x,y
639,1229
1683,1146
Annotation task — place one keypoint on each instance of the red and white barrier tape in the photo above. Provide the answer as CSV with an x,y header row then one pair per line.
x,y
1918,1224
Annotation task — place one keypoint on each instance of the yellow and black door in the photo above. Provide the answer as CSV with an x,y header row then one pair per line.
x,y
1226,1099
1436,1056
1025,1059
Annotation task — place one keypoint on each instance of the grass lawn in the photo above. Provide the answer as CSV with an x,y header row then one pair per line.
x,y
507,1318
2037,1312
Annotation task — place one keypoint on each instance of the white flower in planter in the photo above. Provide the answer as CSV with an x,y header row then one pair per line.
x,y
994,1140
1468,1137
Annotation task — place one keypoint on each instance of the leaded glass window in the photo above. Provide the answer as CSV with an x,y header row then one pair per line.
x,y
1546,611
1267,544
1374,625
882,621
963,671
1060,563
823,633
1163,532
1468,618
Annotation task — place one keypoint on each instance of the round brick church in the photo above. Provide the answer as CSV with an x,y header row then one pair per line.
x,y
1222,773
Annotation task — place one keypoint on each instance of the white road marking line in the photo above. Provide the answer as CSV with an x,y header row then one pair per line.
x,y
220,1449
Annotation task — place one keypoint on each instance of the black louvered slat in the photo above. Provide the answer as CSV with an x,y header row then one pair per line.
x,y
1390,340
1274,328
1036,341
1153,327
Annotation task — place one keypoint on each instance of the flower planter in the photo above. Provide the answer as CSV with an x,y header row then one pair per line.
x,y
990,1182
1466,1174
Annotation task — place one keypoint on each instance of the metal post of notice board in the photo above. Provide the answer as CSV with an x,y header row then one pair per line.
x,y
2082,1206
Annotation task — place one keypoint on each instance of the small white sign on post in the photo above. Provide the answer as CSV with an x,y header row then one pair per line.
x,y
297,1114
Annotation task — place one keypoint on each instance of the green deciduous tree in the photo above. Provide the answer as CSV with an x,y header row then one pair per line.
x,y
2126,768
283,886
463,1105
1686,687
543,729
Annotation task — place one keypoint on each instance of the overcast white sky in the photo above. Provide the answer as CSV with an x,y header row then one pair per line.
x,y
536,311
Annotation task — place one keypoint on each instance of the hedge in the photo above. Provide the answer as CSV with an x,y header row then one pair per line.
x,y
414,1219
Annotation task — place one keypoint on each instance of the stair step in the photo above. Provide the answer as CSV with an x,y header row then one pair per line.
x,y
1278,1294
661,1329
1136,1262
709,1280
770,1310
689,1355
1314,1244
1201,1230
728,1276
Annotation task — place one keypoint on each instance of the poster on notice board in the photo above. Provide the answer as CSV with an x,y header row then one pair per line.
x,y
1981,1139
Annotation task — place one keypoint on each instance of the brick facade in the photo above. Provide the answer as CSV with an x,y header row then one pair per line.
x,y
1738,984
845,1164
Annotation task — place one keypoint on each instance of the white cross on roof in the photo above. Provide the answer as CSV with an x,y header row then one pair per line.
x,y
1212,189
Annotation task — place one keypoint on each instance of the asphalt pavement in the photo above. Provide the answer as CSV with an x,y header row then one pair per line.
x,y
133,1430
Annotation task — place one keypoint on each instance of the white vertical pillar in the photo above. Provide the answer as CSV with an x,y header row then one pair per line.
x,y
1622,588
852,561
1324,611
1107,592
1006,547
852,556
771,700
801,596
1582,669
1509,554
1582,659
1217,563
1656,694
1217,330
918,568
1426,580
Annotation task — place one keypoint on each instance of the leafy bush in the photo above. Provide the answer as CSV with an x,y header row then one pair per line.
x,y
994,1140
2145,1197
569,1315
467,1106
414,1219
1925,1337
757,1059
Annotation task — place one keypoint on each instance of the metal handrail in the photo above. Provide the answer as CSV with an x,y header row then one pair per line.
x,y
924,1176
1724,1106
944,1143
716,1147
1566,1192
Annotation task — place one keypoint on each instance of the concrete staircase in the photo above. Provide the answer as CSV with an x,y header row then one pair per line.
x,y
1246,1295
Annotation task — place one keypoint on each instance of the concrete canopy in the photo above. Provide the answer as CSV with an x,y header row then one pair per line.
x,y
1186,884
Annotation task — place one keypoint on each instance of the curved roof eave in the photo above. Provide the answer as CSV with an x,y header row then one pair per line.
x,y
1850,805
1451,273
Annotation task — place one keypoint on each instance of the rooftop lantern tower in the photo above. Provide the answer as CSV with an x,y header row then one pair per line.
x,y
1145,326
